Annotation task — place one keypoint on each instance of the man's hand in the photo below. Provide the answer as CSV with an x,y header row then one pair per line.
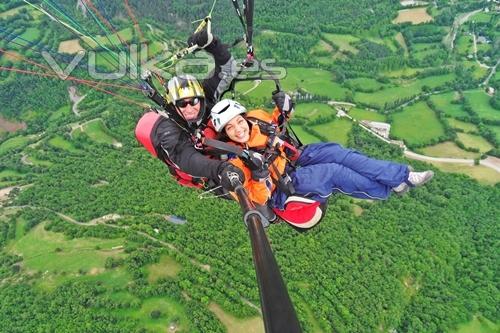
x,y
203,37
230,176
284,103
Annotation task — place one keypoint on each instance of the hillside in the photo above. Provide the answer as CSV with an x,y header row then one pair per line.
x,y
87,237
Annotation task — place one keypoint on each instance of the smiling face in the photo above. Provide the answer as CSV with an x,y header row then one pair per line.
x,y
186,108
237,129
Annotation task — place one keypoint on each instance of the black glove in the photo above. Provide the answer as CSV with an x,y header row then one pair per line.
x,y
202,38
284,103
255,162
260,175
230,176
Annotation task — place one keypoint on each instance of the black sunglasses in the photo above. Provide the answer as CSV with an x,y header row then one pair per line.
x,y
184,102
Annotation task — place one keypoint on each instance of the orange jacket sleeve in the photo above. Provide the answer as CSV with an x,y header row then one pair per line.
x,y
257,191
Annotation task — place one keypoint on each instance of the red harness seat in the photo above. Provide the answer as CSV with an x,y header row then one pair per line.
x,y
145,131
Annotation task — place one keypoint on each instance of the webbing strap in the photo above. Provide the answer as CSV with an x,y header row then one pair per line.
x,y
240,15
223,146
249,9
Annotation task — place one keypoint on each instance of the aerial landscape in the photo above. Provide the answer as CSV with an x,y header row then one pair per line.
x,y
97,236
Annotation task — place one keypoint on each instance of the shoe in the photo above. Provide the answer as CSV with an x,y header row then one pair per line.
x,y
401,189
414,179
419,178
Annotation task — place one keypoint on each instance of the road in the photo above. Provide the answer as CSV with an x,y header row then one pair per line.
x,y
489,162
493,70
75,99
474,39
256,83
415,156
449,40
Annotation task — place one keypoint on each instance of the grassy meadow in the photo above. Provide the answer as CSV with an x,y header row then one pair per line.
x,y
405,126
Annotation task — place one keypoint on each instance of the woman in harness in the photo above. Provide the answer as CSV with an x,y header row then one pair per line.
x,y
320,170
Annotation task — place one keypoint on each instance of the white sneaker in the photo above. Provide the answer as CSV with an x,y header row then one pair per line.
x,y
414,179
401,189
420,178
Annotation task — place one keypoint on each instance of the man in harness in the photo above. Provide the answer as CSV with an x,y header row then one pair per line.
x,y
173,133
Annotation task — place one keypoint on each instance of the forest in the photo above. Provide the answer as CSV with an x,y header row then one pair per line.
x,y
86,243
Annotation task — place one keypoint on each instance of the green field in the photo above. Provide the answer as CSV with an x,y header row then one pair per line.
x,y
166,267
482,17
483,48
467,127
97,131
61,143
364,83
322,47
312,80
312,111
154,48
305,137
464,45
387,41
38,248
406,71
111,278
474,141
38,161
60,259
417,47
14,143
260,95
111,40
404,89
343,42
171,312
12,12
405,124
496,130
443,102
7,173
478,325
237,325
315,81
420,55
336,131
64,111
400,39
478,72
104,59
482,174
448,149
480,103
362,114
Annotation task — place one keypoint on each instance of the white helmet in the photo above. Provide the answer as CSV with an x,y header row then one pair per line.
x,y
224,111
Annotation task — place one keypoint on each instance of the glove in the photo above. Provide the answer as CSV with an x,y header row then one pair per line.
x,y
284,103
230,176
260,175
202,38
253,160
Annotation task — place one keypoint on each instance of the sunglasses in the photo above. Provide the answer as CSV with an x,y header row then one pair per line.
x,y
184,102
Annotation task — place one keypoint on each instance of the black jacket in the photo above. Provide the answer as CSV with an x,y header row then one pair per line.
x,y
174,141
